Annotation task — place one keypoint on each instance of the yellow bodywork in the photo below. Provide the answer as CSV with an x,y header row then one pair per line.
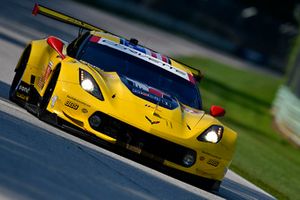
x,y
73,104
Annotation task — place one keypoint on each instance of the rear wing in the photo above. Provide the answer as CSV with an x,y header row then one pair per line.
x,y
42,10
39,9
196,72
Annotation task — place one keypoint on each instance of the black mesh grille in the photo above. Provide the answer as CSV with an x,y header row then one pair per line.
x,y
151,145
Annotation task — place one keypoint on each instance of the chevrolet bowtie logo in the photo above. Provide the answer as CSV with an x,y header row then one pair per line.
x,y
152,122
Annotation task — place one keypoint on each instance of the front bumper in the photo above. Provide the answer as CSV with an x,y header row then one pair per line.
x,y
78,107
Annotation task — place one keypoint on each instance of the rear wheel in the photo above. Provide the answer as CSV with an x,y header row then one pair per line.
x,y
44,101
19,74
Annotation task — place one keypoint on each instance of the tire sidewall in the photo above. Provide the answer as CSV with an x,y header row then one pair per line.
x,y
19,73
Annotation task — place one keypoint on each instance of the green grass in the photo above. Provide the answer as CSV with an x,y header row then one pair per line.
x,y
262,156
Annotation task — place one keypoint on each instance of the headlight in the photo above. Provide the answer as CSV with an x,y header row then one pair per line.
x,y
89,84
213,134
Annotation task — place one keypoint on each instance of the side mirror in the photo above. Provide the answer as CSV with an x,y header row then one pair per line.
x,y
217,111
57,45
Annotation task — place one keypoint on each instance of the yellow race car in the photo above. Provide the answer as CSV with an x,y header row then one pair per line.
x,y
125,94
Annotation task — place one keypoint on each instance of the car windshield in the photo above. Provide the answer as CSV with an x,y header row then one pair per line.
x,y
112,60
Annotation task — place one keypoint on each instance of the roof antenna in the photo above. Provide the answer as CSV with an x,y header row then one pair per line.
x,y
133,41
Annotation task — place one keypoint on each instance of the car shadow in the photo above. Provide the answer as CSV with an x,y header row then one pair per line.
x,y
233,190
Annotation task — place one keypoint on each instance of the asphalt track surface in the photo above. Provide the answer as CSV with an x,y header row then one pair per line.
x,y
39,161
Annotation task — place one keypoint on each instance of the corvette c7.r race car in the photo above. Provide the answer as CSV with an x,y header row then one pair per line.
x,y
127,95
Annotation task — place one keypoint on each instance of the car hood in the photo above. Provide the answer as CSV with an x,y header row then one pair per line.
x,y
145,107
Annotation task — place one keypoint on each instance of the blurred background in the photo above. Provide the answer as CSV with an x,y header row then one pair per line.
x,y
259,31
258,83
248,50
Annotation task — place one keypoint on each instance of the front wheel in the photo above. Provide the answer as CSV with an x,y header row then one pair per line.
x,y
19,74
212,185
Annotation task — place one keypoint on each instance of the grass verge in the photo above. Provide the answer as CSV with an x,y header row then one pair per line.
x,y
262,156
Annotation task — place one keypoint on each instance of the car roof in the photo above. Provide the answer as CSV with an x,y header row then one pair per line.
x,y
143,49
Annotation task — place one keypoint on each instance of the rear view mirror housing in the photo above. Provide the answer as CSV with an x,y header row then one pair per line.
x,y
217,111
57,45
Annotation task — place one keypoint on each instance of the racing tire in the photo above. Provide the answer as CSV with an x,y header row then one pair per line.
x,y
206,184
44,101
18,74
212,186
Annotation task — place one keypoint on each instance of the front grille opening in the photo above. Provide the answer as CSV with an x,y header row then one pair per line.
x,y
149,144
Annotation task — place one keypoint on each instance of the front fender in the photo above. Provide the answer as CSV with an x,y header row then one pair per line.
x,y
42,57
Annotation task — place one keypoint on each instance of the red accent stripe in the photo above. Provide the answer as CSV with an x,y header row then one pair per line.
x,y
153,55
191,78
164,58
35,10
155,92
95,39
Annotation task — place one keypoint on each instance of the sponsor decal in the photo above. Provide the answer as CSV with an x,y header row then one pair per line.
x,y
71,105
53,100
22,96
170,104
45,76
145,51
24,89
78,101
144,54
110,76
217,157
152,94
214,163
141,92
